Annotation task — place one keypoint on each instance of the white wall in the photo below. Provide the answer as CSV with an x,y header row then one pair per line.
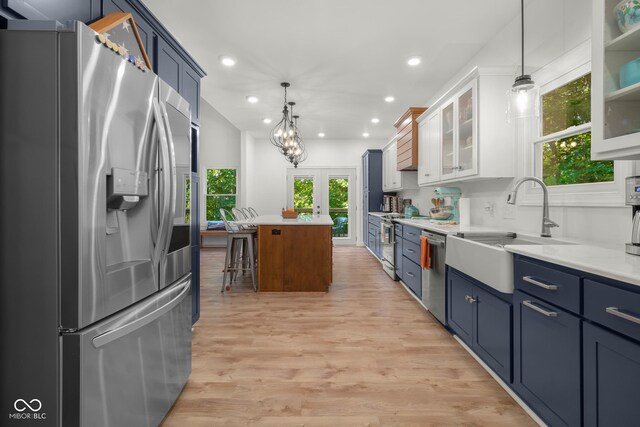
x,y
266,172
220,148
553,27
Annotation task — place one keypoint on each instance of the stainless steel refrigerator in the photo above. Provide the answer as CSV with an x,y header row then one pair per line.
x,y
95,272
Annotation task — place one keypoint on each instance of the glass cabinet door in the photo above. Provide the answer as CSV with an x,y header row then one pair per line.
x,y
465,137
448,120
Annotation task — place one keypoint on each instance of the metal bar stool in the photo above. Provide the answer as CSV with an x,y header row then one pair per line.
x,y
235,259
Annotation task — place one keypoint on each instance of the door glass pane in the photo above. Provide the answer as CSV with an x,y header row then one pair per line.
x,y
465,130
339,205
447,140
303,195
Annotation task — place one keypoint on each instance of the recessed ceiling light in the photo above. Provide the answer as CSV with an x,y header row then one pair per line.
x,y
375,120
414,60
321,135
389,99
266,121
366,135
252,99
227,61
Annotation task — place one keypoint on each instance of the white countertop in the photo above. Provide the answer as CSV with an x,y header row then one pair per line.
x,y
278,220
426,224
614,264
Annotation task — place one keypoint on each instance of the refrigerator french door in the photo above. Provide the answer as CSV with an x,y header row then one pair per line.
x,y
95,299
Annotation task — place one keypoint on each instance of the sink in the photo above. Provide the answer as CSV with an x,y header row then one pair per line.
x,y
483,256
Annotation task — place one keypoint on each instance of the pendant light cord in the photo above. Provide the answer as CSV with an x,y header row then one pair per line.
x,y
522,34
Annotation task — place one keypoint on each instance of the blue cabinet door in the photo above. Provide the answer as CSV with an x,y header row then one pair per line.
x,y
611,379
547,360
492,332
191,91
169,65
460,307
397,252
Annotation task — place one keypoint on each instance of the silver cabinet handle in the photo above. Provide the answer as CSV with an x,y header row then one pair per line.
x,y
411,250
411,274
539,310
528,279
616,312
470,299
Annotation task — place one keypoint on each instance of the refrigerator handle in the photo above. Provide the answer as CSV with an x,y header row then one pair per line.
x,y
171,213
113,334
154,170
163,194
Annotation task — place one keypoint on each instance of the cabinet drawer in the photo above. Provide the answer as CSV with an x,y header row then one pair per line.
x,y
412,276
556,287
374,230
398,231
374,220
411,234
614,308
411,251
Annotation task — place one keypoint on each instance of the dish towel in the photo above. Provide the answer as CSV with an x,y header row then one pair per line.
x,y
425,256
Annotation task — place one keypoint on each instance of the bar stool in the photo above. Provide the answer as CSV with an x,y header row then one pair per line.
x,y
237,259
253,211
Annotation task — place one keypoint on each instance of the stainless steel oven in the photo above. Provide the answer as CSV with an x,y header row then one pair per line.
x,y
388,246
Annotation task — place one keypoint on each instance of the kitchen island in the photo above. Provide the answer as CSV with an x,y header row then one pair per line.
x,y
294,255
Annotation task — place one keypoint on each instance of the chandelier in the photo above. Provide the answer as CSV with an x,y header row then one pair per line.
x,y
285,135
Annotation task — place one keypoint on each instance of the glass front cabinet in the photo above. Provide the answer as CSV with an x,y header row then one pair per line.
x,y
615,99
463,136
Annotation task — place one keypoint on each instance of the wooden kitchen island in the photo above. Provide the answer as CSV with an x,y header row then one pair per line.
x,y
294,255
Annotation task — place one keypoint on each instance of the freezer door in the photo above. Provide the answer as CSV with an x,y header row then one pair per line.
x,y
129,370
108,181
176,112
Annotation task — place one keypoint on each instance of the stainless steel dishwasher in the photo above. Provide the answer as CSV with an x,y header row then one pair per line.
x,y
433,277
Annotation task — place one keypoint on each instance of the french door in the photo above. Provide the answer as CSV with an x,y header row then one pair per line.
x,y
326,191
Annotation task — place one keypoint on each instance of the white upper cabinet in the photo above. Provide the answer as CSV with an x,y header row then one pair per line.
x,y
615,83
429,149
464,135
392,178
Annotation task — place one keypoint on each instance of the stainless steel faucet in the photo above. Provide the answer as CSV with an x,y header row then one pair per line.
x,y
547,223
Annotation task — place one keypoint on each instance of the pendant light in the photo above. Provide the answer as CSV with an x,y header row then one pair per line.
x,y
283,132
523,99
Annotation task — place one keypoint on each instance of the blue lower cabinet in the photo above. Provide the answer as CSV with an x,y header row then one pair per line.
x,y
611,379
492,332
460,306
397,251
482,320
412,276
547,360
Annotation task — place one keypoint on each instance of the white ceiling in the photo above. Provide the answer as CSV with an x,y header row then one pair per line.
x,y
342,57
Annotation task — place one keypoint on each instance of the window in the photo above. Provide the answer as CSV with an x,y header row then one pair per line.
x,y
563,152
221,192
559,148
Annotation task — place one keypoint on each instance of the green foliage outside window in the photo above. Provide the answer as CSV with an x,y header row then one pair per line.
x,y
338,201
568,160
187,207
221,192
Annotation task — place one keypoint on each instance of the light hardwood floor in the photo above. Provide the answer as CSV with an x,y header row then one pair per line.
x,y
364,354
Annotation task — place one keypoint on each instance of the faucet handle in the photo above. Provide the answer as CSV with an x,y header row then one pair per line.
x,y
550,223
